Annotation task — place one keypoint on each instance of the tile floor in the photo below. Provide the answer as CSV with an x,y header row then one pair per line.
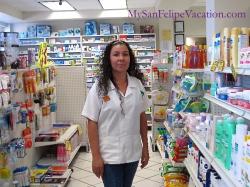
x,y
82,175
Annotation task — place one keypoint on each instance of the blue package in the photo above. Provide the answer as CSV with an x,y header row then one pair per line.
x,y
77,31
70,32
31,30
128,28
105,28
90,28
22,35
43,30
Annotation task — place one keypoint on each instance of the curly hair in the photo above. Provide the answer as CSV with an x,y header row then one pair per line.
x,y
105,69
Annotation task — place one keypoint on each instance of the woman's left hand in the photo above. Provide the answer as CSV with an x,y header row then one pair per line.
x,y
144,157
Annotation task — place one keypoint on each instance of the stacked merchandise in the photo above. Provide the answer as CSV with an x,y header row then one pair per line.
x,y
219,145
28,107
188,85
174,176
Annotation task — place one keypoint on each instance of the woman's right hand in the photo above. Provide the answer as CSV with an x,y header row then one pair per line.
x,y
98,166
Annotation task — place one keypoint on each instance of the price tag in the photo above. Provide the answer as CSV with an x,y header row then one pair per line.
x,y
178,72
84,61
79,129
233,72
221,65
68,145
214,66
180,95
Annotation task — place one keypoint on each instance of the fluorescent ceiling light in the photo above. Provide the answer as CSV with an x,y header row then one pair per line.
x,y
57,5
113,4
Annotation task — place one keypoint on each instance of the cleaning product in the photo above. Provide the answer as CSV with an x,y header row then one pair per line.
x,y
226,45
218,135
234,47
229,131
241,131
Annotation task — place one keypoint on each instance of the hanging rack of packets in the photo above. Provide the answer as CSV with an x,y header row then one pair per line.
x,y
160,95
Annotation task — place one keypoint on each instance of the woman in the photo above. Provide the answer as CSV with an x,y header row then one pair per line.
x,y
117,125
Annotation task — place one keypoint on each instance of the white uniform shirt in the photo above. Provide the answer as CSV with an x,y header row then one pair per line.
x,y
119,135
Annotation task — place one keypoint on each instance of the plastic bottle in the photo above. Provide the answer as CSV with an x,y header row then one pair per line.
x,y
218,135
241,131
187,56
234,47
230,126
226,45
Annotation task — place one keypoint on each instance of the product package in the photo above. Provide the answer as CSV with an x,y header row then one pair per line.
x,y
43,30
77,31
31,30
70,32
146,29
90,28
22,35
105,28
128,28
116,29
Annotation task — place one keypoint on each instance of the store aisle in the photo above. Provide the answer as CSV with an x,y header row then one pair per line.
x,y
82,175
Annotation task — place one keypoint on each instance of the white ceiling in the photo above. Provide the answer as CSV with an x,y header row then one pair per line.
x,y
30,10
33,5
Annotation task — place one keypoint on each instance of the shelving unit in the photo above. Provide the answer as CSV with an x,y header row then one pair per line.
x,y
224,174
245,113
192,173
66,175
160,150
53,161
66,136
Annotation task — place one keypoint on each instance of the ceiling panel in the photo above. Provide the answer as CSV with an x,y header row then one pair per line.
x,y
141,3
33,5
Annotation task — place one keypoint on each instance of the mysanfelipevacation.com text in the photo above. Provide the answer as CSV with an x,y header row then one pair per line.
x,y
171,14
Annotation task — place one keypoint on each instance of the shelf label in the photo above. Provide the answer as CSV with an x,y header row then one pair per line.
x,y
221,65
214,66
68,145
180,95
178,72
79,129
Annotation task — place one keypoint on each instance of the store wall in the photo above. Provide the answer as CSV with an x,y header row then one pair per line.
x,y
193,27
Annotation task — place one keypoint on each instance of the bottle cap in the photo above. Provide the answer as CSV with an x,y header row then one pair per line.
x,y
240,120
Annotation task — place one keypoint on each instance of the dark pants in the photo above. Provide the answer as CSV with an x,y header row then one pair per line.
x,y
119,175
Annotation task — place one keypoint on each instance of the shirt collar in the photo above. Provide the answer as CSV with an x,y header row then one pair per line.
x,y
131,82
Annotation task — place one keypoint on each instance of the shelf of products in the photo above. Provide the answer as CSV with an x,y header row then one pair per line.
x,y
192,173
66,136
65,177
225,174
239,71
160,150
226,105
54,162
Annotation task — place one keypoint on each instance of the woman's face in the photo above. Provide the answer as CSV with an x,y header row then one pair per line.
x,y
119,58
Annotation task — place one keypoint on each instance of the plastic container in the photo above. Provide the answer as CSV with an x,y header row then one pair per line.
x,y
234,47
232,98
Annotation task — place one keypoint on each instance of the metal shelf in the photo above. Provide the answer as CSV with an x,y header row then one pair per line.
x,y
192,173
160,151
168,129
228,106
52,52
73,154
145,56
239,71
66,175
66,136
188,94
225,174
